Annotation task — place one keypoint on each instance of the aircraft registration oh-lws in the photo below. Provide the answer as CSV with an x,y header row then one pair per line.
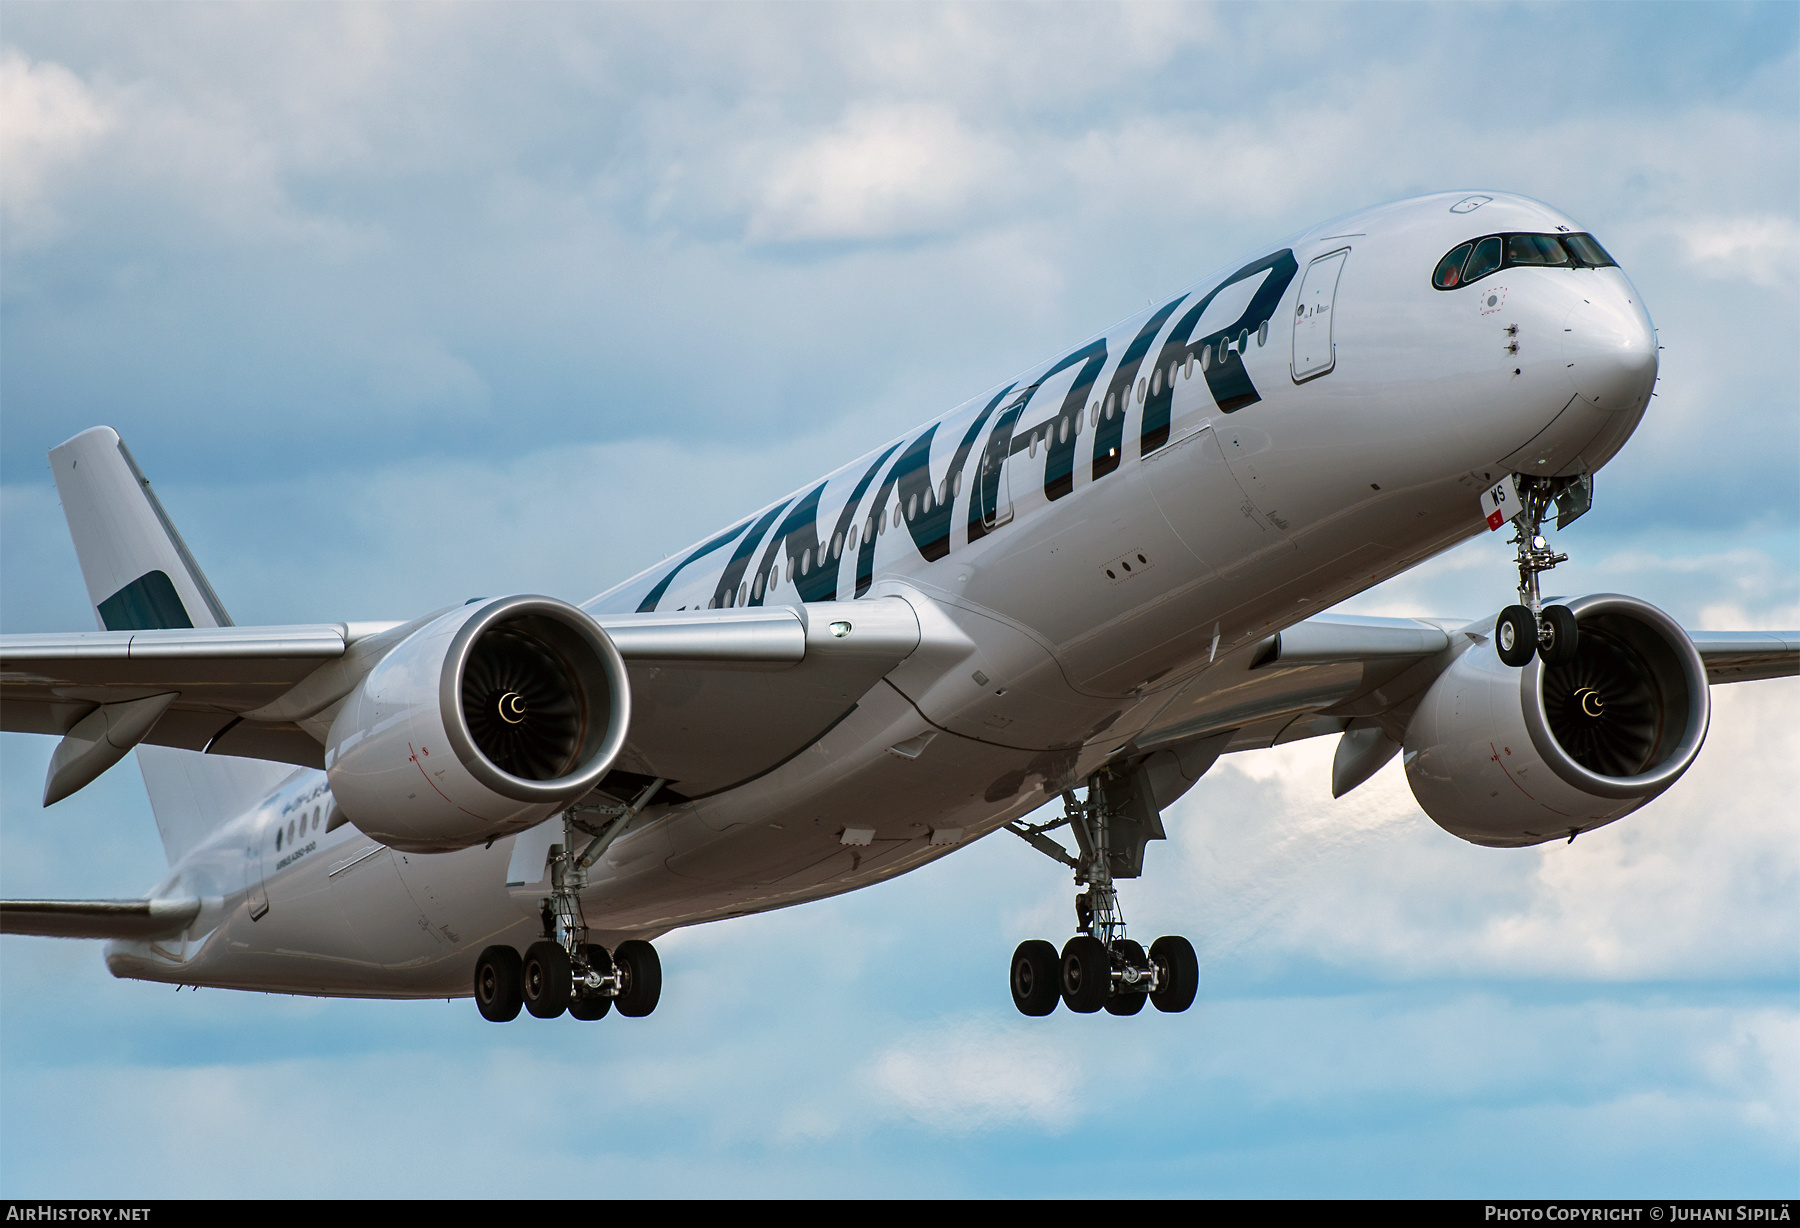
x,y
1091,583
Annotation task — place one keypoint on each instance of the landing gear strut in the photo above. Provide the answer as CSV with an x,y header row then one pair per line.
x,y
1531,628
564,971
1100,968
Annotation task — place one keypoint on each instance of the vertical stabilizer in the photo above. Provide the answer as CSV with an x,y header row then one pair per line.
x,y
193,794
138,570
140,575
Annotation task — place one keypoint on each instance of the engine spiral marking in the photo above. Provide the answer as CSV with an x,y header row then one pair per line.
x,y
1604,707
522,705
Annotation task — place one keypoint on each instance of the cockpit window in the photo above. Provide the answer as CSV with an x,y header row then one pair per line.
x,y
1589,253
1484,260
1449,270
1535,249
1477,258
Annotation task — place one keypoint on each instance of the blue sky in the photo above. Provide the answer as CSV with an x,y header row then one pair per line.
x,y
400,305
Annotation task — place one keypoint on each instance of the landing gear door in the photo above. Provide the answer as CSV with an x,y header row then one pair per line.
x,y
1314,351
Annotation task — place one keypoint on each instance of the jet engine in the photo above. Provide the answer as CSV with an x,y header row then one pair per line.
x,y
1509,757
480,724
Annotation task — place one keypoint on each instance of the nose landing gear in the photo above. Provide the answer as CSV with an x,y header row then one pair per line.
x,y
1100,968
1531,628
564,971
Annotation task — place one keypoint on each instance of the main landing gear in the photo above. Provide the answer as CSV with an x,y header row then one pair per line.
x,y
564,971
1100,968
1532,628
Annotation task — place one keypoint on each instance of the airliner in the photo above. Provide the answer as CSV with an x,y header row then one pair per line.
x,y
1082,588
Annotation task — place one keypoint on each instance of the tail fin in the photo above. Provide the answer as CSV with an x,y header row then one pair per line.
x,y
138,570
140,576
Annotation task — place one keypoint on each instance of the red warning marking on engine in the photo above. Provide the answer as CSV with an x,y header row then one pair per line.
x,y
414,760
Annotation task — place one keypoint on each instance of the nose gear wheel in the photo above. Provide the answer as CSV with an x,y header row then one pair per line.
x,y
1531,627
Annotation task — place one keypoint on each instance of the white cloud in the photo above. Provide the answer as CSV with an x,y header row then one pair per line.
x,y
49,118
1763,249
975,1075
882,172
1699,884
1759,246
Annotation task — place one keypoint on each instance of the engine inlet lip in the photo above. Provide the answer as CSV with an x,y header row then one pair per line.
x,y
1644,785
617,715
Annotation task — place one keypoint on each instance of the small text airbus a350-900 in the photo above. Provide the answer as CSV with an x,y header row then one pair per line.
x,y
1086,584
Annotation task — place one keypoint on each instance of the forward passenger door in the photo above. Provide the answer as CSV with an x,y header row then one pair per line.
x,y
1315,353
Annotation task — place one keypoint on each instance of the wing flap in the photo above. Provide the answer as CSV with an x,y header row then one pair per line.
x,y
706,724
55,680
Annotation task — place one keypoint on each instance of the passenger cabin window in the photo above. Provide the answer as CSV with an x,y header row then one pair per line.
x,y
1477,258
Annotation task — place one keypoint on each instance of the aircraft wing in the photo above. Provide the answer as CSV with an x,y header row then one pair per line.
x,y
718,696
1744,656
721,696
1335,671
1309,680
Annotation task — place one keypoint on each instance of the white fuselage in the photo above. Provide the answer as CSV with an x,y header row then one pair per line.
x,y
1105,530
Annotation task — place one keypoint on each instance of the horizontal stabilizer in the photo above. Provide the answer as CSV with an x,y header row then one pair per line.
x,y
97,918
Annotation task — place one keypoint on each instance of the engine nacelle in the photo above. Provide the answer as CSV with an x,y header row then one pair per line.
x,y
480,724
1510,757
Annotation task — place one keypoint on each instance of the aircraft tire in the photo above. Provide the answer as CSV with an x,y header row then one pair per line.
x,y
546,980
1127,1001
589,1007
498,978
1036,978
1086,974
1174,955
642,974
1515,636
1558,646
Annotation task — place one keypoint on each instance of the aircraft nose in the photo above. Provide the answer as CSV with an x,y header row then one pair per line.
x,y
1609,349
